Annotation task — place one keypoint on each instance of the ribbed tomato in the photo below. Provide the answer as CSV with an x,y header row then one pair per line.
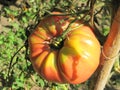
x,y
72,59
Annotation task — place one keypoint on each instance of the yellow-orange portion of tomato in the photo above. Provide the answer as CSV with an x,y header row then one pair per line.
x,y
74,62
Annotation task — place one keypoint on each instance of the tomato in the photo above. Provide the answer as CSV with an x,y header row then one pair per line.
x,y
72,59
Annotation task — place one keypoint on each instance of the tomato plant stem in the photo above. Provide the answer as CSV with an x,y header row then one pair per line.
x,y
111,50
68,28
65,32
92,12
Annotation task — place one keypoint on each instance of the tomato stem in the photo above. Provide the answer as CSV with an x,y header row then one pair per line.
x,y
57,42
65,32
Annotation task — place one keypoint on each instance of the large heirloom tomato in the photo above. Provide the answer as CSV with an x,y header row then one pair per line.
x,y
72,59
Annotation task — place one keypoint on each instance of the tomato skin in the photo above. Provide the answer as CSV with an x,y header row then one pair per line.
x,y
82,54
75,62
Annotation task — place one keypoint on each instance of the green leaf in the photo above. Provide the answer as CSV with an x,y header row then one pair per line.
x,y
24,19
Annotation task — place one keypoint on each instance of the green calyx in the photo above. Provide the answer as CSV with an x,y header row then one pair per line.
x,y
56,43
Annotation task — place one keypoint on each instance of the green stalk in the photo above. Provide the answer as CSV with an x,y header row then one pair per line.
x,y
68,29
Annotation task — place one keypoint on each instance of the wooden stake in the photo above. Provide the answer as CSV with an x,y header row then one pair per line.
x,y
110,51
